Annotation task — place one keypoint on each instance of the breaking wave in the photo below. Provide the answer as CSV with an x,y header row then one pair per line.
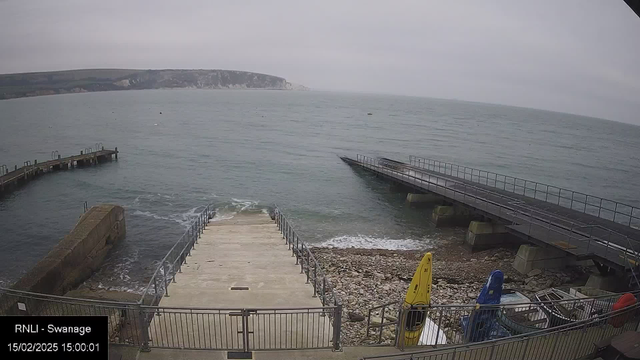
x,y
183,219
228,210
368,242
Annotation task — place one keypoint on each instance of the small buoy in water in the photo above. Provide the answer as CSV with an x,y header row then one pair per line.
x,y
369,113
160,112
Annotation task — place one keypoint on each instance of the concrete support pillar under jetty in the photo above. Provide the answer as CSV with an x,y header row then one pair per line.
x,y
531,257
485,235
611,282
451,216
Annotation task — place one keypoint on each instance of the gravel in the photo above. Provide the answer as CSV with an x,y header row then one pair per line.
x,y
365,278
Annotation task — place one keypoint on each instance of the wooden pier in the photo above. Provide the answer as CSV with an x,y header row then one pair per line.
x,y
11,180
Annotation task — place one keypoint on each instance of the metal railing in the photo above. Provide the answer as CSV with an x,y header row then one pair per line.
x,y
322,286
172,262
567,342
593,205
190,328
548,227
459,324
242,329
383,316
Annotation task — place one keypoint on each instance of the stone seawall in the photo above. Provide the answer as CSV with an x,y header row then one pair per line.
x,y
79,254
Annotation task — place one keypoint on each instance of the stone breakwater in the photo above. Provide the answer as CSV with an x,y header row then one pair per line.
x,y
367,278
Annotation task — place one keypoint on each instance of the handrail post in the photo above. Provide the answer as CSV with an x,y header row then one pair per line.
x,y
324,291
308,269
292,246
302,259
142,318
290,234
164,276
402,322
337,327
438,329
195,240
155,285
315,278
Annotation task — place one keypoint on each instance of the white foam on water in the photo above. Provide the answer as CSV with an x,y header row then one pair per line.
x,y
244,204
183,219
186,218
118,274
226,216
122,288
149,214
237,206
368,242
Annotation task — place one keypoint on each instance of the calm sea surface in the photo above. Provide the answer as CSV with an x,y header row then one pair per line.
x,y
245,150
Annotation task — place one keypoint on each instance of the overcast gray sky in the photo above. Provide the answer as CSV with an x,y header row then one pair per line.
x,y
577,56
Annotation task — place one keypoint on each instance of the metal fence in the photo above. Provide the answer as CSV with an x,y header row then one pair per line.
x,y
567,342
321,283
243,329
446,325
191,328
172,262
593,205
575,237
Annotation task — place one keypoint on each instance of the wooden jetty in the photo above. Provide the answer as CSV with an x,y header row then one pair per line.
x,y
11,180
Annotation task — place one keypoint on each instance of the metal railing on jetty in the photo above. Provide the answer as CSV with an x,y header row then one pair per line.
x,y
171,264
589,204
570,341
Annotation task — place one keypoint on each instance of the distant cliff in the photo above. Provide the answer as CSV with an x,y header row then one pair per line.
x,y
75,81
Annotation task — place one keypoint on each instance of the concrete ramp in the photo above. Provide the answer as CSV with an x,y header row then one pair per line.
x,y
241,263
244,290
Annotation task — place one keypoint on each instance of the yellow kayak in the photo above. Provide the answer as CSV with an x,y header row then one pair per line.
x,y
418,295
